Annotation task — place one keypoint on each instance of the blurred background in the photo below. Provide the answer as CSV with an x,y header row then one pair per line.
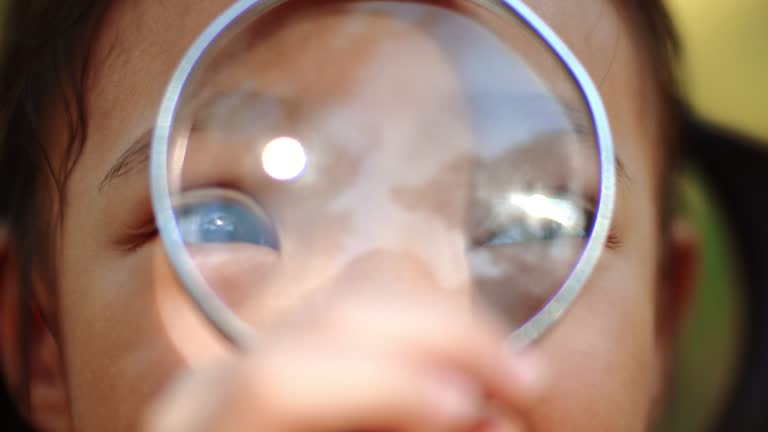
x,y
723,70
725,64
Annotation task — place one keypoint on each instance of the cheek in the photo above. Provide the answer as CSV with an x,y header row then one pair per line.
x,y
602,354
127,329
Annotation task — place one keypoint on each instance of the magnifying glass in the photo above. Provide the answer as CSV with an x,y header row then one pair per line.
x,y
459,141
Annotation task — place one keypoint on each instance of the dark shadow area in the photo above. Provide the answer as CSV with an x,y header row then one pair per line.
x,y
736,168
9,420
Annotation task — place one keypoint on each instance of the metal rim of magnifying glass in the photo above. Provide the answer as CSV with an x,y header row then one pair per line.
x,y
236,331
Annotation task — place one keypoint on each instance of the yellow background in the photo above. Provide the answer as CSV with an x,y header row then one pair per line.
x,y
725,60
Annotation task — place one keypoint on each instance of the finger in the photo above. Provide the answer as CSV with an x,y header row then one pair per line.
x,y
507,424
500,421
316,388
444,334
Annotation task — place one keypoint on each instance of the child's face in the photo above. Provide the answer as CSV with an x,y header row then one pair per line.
x,y
126,325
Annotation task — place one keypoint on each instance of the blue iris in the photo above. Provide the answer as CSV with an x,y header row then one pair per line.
x,y
524,232
524,219
226,221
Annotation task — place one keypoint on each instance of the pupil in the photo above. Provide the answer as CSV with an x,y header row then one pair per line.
x,y
218,226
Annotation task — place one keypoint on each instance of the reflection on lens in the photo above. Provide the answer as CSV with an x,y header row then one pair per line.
x,y
521,218
284,158
544,210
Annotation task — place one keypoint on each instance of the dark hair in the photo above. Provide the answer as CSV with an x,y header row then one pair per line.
x,y
44,56
44,63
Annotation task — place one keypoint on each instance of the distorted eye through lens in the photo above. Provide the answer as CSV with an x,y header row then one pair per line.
x,y
224,216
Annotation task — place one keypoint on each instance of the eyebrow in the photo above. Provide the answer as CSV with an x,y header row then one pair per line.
x,y
134,159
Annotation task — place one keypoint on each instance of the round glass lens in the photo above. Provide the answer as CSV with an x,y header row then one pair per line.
x,y
319,144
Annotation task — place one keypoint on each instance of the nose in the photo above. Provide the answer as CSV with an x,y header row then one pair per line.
x,y
386,269
386,277
380,271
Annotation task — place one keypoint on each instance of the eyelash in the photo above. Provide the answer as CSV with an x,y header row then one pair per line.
x,y
614,240
146,232
137,237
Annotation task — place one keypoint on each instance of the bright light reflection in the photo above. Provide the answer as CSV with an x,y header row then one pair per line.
x,y
284,158
540,206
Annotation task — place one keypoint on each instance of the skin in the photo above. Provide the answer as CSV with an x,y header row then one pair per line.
x,y
129,352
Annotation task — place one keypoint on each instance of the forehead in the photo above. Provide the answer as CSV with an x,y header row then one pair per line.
x,y
142,43
146,40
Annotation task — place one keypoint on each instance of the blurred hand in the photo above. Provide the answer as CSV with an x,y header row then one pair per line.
x,y
364,362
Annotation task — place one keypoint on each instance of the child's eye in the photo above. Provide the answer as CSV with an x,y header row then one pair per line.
x,y
531,231
522,218
524,247
223,216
